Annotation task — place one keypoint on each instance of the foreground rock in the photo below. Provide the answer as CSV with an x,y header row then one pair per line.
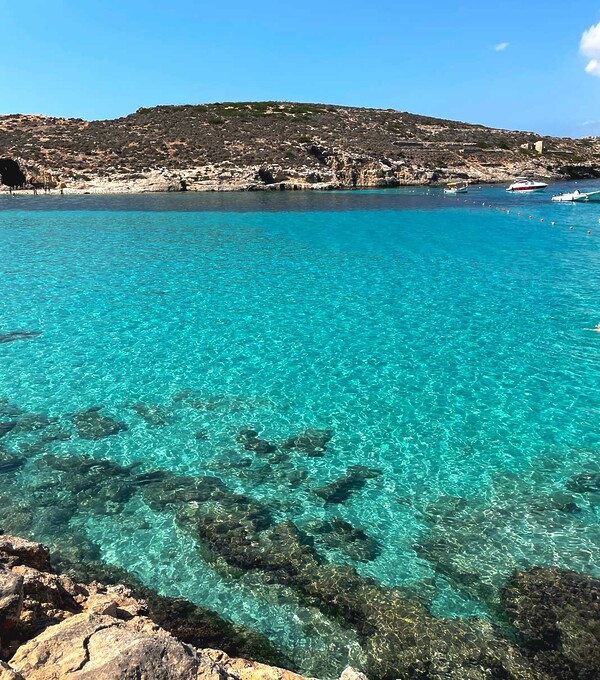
x,y
52,628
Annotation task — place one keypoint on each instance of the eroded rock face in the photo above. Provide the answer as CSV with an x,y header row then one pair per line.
x,y
11,599
101,647
10,173
16,551
8,673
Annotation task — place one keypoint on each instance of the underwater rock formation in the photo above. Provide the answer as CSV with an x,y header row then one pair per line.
x,y
14,336
251,441
153,415
557,615
7,427
588,482
241,536
91,425
337,534
9,462
311,442
341,489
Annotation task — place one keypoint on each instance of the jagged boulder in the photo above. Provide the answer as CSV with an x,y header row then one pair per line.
x,y
11,599
15,551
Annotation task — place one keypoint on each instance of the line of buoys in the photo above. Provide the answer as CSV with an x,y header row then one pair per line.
x,y
507,211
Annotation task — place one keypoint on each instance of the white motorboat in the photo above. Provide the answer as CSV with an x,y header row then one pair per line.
x,y
526,184
457,188
577,197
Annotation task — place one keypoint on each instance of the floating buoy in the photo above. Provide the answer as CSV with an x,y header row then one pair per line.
x,y
589,232
571,228
552,223
542,219
530,216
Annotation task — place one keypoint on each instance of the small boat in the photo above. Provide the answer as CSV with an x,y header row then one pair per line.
x,y
457,188
526,184
577,197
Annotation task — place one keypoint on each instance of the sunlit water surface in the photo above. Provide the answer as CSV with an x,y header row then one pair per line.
x,y
439,338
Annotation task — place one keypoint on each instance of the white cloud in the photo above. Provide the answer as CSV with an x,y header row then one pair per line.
x,y
590,47
593,68
501,46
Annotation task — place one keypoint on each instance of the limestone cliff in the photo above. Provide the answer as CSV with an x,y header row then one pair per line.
x,y
275,145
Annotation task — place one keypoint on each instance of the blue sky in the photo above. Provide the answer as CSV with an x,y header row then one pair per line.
x,y
105,59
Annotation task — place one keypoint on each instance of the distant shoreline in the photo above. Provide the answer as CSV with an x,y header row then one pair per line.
x,y
276,188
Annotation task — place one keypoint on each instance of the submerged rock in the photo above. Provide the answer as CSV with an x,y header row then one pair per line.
x,y
312,442
8,409
9,462
588,482
337,534
32,422
99,486
14,336
341,489
91,425
153,415
251,441
557,615
7,427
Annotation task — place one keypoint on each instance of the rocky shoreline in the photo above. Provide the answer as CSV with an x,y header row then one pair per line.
x,y
275,146
52,627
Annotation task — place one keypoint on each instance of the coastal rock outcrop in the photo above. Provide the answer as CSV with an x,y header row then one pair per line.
x,y
274,146
103,647
10,173
52,627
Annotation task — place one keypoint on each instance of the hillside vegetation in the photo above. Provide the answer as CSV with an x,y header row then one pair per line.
x,y
261,145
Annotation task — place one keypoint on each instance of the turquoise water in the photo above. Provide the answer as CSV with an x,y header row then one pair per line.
x,y
438,338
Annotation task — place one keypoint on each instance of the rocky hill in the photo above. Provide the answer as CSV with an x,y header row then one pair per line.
x,y
276,145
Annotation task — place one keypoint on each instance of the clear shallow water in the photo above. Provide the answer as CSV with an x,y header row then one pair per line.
x,y
439,339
